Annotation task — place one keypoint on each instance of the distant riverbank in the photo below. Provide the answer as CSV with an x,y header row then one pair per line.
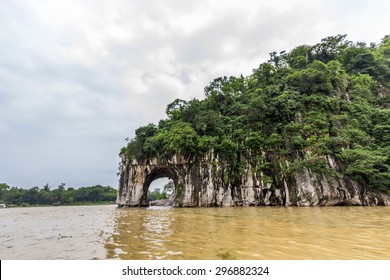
x,y
46,196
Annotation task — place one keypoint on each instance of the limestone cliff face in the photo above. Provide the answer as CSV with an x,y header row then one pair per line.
x,y
207,182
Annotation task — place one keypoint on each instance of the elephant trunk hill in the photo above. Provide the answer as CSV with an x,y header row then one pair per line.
x,y
310,127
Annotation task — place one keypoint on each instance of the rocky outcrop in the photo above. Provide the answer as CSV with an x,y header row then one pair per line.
x,y
208,182
161,202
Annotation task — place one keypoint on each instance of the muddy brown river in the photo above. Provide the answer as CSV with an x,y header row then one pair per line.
x,y
108,232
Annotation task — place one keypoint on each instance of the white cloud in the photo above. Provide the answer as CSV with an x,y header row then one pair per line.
x,y
79,76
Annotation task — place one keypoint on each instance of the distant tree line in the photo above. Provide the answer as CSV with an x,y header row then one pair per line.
x,y
157,194
14,196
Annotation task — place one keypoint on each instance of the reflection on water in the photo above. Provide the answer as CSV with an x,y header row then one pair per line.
x,y
144,233
100,232
251,233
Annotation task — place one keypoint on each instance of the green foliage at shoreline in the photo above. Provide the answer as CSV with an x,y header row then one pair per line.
x,y
302,106
157,194
13,196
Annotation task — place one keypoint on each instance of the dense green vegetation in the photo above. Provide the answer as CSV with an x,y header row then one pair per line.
x,y
157,194
329,99
13,196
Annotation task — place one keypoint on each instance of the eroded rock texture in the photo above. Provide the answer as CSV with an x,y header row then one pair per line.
x,y
208,182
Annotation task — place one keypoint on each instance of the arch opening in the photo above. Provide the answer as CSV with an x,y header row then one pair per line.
x,y
160,187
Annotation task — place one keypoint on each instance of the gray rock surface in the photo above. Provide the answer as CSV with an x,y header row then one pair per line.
x,y
207,182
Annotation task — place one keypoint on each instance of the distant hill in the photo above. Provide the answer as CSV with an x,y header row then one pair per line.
x,y
322,109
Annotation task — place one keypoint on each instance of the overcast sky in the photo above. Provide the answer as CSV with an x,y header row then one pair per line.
x,y
77,77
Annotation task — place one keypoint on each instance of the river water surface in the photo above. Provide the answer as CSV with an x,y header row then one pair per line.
x,y
108,232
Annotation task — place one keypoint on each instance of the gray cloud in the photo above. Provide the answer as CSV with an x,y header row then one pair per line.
x,y
78,77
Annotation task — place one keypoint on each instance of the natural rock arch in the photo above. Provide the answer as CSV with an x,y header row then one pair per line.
x,y
197,183
136,178
205,182
155,173
194,182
